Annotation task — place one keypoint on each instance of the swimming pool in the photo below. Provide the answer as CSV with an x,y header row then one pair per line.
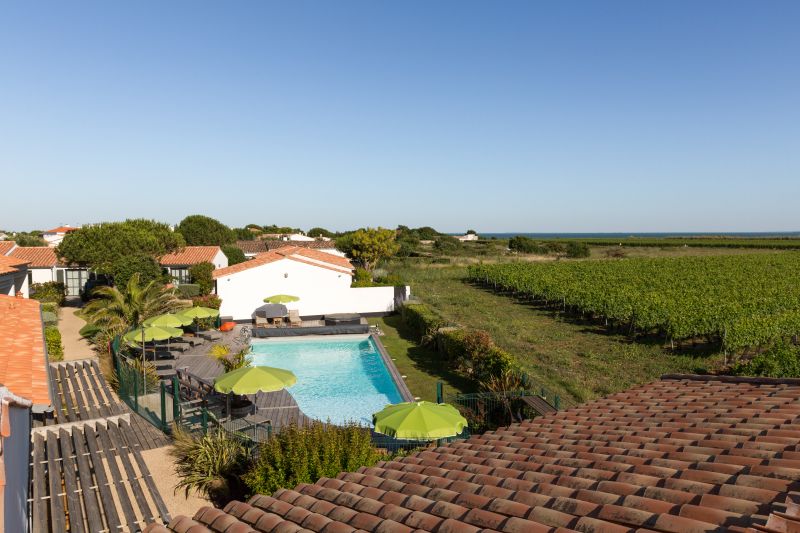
x,y
338,379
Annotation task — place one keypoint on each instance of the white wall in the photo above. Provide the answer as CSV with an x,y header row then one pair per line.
x,y
42,275
16,456
14,282
321,291
220,260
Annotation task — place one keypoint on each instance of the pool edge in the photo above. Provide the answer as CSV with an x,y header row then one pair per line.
x,y
399,382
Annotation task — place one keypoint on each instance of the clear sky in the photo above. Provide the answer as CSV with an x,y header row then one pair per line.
x,y
497,116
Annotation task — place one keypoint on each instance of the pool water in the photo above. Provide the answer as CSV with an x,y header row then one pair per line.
x,y
341,380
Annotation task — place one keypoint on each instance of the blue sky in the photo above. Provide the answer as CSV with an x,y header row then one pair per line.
x,y
498,116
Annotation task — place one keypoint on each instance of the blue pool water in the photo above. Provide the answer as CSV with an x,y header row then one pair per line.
x,y
339,380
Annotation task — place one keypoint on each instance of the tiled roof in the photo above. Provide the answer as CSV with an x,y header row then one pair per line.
x,y
191,255
260,246
23,368
36,256
684,454
295,253
6,246
61,229
10,264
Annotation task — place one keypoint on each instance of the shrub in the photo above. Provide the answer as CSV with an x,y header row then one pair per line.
x,y
525,245
210,300
52,338
124,267
89,331
362,278
305,454
234,254
51,292
49,319
201,275
446,243
186,291
241,359
780,361
220,350
50,307
473,352
210,464
422,320
577,249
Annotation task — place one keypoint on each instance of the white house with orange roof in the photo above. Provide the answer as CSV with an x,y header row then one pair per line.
x,y
320,280
178,263
53,237
13,277
44,266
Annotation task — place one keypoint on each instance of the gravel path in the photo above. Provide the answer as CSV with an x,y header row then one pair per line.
x,y
161,466
75,346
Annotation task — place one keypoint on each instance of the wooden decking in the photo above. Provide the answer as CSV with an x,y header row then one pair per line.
x,y
81,393
539,404
90,477
280,407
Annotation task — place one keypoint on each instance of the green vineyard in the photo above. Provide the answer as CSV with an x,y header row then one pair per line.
x,y
738,301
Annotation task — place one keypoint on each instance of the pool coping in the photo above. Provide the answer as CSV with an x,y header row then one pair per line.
x,y
390,366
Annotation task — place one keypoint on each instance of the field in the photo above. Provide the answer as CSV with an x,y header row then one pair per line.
x,y
736,302
580,359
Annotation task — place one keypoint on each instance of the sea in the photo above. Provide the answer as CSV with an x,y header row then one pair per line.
x,y
623,235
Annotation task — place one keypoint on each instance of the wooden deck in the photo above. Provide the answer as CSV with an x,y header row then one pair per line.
x,y
81,393
280,407
90,477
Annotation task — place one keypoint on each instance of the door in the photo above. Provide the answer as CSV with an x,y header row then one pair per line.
x,y
75,279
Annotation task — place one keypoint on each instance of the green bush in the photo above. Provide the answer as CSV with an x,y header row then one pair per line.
x,y
186,291
446,243
124,267
577,249
526,245
422,320
50,307
472,352
201,276
210,300
52,338
89,331
234,254
305,454
51,291
210,464
49,319
780,361
362,278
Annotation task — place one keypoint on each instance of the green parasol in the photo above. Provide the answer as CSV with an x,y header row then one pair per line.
x,y
151,333
281,299
169,320
419,421
253,379
198,312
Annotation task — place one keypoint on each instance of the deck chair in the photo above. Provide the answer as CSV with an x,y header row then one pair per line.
x,y
294,318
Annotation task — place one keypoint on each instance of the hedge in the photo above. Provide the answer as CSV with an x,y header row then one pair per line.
x,y
187,291
423,321
51,291
52,337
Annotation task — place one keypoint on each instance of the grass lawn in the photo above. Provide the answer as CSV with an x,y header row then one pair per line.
x,y
579,359
421,366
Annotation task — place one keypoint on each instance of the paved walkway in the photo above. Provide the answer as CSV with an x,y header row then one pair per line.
x,y
75,346
162,465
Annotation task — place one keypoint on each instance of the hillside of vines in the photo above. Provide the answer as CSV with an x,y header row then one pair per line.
x,y
738,302
773,243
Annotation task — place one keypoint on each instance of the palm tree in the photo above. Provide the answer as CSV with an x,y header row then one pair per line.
x,y
115,311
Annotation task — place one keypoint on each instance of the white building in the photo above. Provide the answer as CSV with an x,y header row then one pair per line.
x,y
13,277
467,237
178,263
53,237
44,266
320,280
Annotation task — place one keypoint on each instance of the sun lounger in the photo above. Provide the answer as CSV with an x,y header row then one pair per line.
x,y
211,335
294,318
194,341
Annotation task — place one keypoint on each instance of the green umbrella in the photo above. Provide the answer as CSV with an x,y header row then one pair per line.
x,y
281,299
169,320
152,333
253,379
198,312
148,334
419,421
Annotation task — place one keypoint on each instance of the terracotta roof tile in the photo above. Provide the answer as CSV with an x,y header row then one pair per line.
x,y
678,455
23,366
294,253
61,229
6,246
36,256
10,264
190,255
